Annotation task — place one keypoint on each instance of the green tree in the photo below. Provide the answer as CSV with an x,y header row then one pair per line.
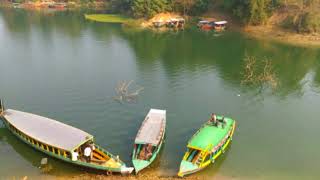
x,y
251,11
259,11
199,7
149,8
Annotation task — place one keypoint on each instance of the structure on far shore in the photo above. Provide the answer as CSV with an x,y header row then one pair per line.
x,y
208,24
165,20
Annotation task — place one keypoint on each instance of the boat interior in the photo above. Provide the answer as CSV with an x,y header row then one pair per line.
x,y
99,157
192,155
144,151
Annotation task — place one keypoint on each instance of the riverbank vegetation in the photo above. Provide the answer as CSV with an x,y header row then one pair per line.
x,y
278,19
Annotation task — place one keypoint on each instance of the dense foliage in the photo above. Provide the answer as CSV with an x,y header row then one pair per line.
x,y
251,11
255,12
148,8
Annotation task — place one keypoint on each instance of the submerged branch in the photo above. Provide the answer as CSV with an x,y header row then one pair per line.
x,y
253,75
123,93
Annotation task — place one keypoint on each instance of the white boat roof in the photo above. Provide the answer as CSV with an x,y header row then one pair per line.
x,y
152,128
46,130
221,22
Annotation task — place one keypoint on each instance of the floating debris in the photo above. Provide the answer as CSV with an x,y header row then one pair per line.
x,y
261,75
123,94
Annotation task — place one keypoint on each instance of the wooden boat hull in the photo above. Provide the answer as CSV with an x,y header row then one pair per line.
x,y
187,168
108,170
150,138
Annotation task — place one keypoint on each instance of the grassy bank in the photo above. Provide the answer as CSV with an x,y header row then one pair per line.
x,y
108,18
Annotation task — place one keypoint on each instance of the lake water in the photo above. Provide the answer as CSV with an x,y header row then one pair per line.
x,y
61,66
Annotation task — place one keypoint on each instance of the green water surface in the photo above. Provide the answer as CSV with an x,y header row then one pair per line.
x,y
58,65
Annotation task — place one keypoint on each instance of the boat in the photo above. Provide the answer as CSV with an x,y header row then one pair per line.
x,y
60,6
205,25
220,25
178,23
149,139
206,145
210,24
60,141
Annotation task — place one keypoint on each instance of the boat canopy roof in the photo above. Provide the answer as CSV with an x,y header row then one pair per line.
x,y
209,135
152,128
220,22
203,22
47,131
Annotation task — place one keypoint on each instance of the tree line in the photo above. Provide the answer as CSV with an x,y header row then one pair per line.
x,y
303,15
306,16
148,8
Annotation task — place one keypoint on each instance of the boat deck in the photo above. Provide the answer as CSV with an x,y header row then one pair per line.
x,y
210,135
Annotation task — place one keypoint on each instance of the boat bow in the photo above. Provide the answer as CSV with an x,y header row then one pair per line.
x,y
187,168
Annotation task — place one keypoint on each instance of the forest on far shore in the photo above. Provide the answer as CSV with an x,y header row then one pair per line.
x,y
302,16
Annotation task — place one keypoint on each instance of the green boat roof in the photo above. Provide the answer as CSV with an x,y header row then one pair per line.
x,y
209,135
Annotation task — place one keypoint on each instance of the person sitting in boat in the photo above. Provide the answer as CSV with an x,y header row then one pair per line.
x,y
142,154
213,119
223,122
88,151
74,155
148,151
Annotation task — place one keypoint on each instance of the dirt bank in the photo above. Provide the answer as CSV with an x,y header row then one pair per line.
x,y
143,176
281,35
274,30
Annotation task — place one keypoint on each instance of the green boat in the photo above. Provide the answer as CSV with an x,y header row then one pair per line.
x,y
60,141
149,139
206,145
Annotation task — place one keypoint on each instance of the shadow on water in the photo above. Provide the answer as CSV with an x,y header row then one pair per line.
x,y
34,157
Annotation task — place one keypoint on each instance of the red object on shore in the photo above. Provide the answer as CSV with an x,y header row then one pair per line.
x,y
206,27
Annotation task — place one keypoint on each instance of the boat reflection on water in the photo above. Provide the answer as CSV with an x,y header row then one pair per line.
x,y
28,156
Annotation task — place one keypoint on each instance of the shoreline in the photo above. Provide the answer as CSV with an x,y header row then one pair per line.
x,y
283,36
263,32
143,176
51,5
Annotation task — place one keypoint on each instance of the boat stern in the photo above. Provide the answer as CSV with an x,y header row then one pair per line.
x,y
139,165
126,170
186,168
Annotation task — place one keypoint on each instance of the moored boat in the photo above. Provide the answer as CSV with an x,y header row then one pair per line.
x,y
207,144
149,139
220,25
60,141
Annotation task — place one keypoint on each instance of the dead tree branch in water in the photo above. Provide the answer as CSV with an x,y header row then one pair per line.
x,y
123,94
253,75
